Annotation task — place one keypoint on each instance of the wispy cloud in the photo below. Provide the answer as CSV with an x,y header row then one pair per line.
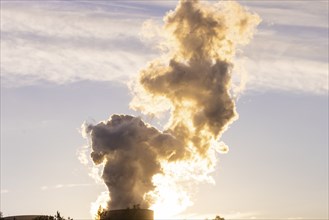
x,y
295,13
60,46
229,215
289,74
61,186
3,191
63,42
233,215
290,51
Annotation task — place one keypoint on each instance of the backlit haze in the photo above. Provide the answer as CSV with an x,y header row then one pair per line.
x,y
162,90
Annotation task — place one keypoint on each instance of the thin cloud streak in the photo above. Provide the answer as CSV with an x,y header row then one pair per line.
x,y
4,191
296,13
73,41
289,53
310,77
63,47
62,186
228,215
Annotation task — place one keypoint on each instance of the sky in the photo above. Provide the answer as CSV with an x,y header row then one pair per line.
x,y
66,62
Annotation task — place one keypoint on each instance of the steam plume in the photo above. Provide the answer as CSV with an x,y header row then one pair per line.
x,y
194,83
132,151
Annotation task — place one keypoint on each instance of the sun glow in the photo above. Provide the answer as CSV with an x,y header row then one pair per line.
x,y
101,201
176,185
169,199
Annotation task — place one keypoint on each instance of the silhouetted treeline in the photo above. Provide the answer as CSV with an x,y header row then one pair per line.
x,y
55,217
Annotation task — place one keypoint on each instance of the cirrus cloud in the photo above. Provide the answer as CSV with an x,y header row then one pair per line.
x,y
64,42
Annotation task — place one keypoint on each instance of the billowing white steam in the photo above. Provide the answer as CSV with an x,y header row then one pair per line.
x,y
132,151
145,166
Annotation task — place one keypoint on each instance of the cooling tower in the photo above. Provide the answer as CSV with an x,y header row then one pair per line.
x,y
129,214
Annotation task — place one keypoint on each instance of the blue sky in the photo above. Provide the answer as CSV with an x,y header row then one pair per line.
x,y
66,62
